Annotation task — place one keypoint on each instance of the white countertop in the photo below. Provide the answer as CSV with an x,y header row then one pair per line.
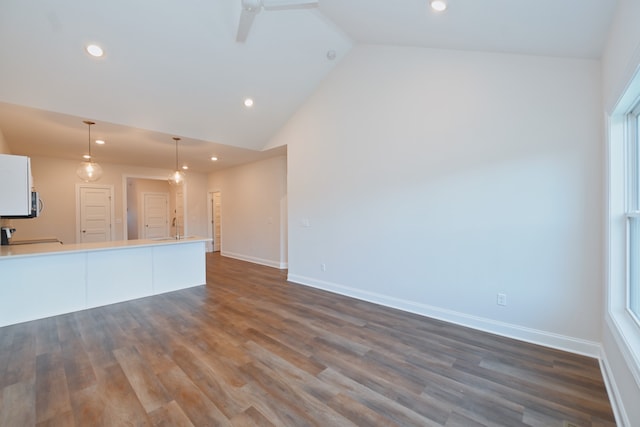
x,y
36,249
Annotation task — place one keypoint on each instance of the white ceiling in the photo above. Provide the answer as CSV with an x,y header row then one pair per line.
x,y
571,28
173,68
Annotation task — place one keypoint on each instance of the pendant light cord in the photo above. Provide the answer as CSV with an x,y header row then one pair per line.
x,y
176,139
89,123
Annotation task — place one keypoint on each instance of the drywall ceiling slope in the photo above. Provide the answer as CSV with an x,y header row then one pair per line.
x,y
568,28
174,68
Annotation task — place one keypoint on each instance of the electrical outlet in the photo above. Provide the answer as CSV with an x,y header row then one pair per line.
x,y
502,299
323,267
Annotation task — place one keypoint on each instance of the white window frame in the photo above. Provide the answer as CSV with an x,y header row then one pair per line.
x,y
632,177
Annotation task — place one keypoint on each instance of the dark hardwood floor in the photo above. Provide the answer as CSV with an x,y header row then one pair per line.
x,y
251,349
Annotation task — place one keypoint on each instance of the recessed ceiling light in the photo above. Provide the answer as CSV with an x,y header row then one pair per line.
x,y
185,167
86,156
95,50
100,141
438,5
248,102
214,158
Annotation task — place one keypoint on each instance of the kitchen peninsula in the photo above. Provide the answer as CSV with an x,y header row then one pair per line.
x,y
47,279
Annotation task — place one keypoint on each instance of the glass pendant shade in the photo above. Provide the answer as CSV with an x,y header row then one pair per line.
x,y
177,177
89,171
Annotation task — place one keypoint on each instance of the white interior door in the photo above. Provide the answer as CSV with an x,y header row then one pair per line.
x,y
216,209
179,213
155,215
94,214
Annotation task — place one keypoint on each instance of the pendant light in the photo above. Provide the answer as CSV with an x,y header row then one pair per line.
x,y
177,177
89,171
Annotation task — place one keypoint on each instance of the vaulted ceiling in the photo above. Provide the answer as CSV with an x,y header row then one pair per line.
x,y
174,68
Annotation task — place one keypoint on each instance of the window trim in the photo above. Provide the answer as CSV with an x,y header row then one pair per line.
x,y
632,200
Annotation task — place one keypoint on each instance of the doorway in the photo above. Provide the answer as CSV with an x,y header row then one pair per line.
x,y
134,190
94,213
215,214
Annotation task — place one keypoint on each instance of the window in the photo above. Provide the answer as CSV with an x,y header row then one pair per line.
x,y
633,210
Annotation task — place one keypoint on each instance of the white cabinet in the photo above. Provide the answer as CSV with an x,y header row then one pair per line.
x,y
49,279
15,185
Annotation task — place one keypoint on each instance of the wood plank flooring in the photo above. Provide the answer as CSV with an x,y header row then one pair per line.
x,y
251,349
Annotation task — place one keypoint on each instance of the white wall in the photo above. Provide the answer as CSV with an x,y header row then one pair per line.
x,y
621,337
253,220
4,146
4,149
431,180
196,206
56,181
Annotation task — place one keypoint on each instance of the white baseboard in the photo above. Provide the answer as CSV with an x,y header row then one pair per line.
x,y
534,336
619,413
255,260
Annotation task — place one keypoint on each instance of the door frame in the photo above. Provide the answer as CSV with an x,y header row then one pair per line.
x,y
111,208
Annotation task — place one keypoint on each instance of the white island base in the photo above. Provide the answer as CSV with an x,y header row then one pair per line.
x,y
48,279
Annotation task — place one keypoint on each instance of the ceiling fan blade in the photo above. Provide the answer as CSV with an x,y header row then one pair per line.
x,y
288,4
244,25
